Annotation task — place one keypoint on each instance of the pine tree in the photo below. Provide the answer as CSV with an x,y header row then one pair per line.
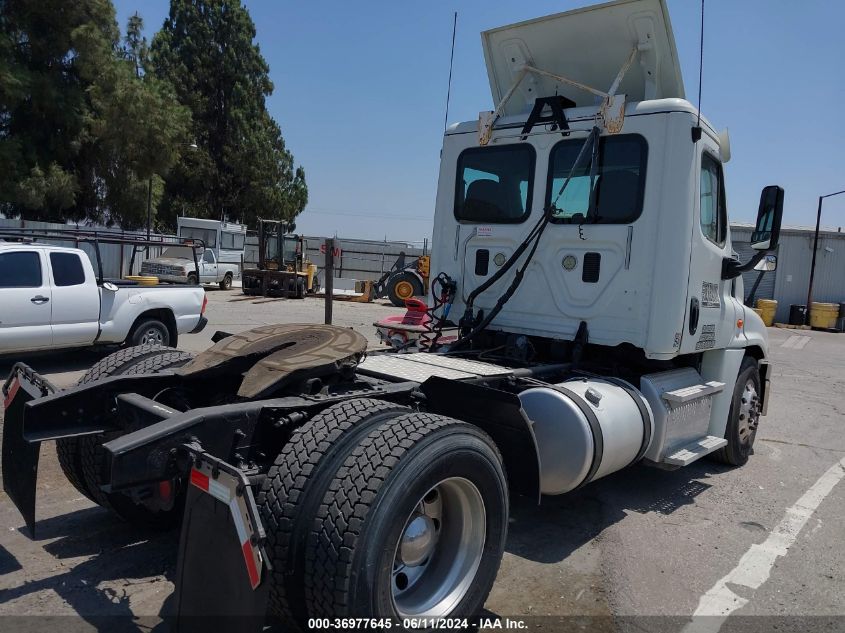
x,y
241,169
82,130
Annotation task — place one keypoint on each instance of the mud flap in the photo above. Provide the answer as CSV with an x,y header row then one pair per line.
x,y
20,457
222,571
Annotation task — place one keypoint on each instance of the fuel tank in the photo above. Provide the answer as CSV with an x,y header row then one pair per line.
x,y
586,428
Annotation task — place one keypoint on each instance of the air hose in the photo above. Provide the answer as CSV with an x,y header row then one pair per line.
x,y
532,240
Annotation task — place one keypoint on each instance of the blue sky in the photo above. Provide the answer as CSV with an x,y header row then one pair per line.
x,y
360,90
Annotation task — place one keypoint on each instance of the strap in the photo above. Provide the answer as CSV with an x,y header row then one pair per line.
x,y
636,397
595,427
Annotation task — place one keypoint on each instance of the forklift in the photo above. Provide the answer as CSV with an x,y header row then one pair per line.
x,y
283,269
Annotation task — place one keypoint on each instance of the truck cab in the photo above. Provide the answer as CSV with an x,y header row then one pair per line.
x,y
635,251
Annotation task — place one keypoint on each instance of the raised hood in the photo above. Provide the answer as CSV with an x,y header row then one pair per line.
x,y
589,46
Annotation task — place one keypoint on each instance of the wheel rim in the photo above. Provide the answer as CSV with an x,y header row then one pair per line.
x,y
439,551
404,290
152,336
749,412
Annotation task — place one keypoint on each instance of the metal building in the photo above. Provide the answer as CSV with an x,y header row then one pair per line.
x,y
788,284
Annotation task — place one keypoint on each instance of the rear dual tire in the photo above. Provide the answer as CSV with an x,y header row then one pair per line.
x,y
83,459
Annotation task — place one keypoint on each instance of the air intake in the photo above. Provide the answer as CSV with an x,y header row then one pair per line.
x,y
592,268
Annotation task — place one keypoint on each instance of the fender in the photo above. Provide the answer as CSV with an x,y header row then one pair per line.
x,y
500,415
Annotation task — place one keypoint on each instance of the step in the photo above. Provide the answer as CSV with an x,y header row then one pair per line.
x,y
693,392
695,450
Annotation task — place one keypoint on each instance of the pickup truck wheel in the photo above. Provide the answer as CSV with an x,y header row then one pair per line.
x,y
192,279
67,448
413,524
297,483
150,332
226,284
163,507
744,416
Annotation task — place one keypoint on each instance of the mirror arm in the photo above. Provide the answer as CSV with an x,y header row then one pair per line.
x,y
731,268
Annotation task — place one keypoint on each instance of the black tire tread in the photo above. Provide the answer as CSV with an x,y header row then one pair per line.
x,y
725,455
344,509
67,448
92,454
314,446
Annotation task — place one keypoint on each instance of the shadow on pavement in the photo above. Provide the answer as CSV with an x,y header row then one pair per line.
x,y
122,556
550,532
53,362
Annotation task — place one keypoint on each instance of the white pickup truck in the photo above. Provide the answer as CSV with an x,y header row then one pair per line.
x,y
176,265
50,298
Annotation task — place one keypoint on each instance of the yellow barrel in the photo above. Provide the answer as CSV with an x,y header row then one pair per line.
x,y
766,308
143,280
823,315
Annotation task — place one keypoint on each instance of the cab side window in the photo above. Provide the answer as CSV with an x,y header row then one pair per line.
x,y
714,214
67,269
20,270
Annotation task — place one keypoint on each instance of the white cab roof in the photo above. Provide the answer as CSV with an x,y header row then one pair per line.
x,y
588,45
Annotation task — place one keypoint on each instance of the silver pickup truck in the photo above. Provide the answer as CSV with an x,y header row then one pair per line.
x,y
176,265
50,298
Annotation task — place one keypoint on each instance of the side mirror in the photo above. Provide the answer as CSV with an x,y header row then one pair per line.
x,y
110,286
768,264
767,230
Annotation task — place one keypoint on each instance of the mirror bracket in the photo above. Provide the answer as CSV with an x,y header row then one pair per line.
x,y
732,268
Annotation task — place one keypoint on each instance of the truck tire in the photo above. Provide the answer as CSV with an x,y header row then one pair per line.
x,y
192,279
93,455
403,285
413,524
744,416
67,448
226,284
295,486
149,332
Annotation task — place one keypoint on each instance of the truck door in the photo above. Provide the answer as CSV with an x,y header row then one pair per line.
x,y
25,306
710,309
76,300
208,267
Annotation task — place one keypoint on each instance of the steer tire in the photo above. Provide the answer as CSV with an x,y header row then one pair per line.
x,y
296,484
740,432
93,455
67,448
352,564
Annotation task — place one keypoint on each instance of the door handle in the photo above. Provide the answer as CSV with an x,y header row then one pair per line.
x,y
693,315
39,299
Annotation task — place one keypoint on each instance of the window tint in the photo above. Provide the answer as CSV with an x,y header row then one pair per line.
x,y
208,257
232,240
494,184
20,270
67,269
208,236
713,215
620,181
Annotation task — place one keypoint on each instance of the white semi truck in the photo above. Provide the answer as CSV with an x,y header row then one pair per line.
x,y
583,261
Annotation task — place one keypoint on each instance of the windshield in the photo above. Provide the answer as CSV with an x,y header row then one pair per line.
x,y
178,252
494,184
620,181
289,252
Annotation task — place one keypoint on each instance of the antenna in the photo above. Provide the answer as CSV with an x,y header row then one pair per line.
x,y
451,61
696,131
